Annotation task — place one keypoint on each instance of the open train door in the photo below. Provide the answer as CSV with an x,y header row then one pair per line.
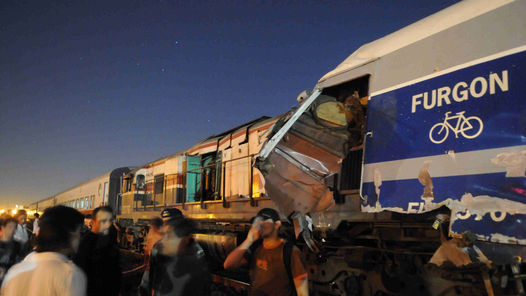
x,y
193,177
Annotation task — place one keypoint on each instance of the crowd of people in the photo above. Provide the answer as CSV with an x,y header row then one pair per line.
x,y
67,253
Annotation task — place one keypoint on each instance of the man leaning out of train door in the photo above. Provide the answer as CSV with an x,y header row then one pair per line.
x,y
176,270
275,265
98,255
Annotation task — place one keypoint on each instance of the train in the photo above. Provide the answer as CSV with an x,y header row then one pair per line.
x,y
401,172
101,190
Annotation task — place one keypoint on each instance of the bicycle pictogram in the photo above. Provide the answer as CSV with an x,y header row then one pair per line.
x,y
469,127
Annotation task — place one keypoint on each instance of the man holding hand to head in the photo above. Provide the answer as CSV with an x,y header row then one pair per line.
x,y
275,266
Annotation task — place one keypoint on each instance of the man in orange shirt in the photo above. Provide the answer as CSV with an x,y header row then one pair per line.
x,y
270,273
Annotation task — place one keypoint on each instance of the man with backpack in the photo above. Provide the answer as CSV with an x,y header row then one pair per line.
x,y
275,265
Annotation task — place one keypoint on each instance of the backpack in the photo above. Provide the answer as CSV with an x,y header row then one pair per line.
x,y
287,257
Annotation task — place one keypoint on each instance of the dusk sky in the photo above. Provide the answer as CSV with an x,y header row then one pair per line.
x,y
88,86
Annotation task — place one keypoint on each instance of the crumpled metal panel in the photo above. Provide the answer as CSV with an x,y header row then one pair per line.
x,y
297,168
294,190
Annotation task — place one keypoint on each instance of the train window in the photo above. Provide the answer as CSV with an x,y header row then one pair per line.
x,y
211,174
159,184
126,187
81,203
86,202
140,182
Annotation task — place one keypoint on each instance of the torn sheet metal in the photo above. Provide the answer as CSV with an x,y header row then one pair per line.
x,y
297,168
456,139
450,251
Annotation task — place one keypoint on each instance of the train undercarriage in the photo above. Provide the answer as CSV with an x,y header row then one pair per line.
x,y
357,253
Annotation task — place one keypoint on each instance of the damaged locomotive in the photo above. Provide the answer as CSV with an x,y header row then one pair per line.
x,y
397,190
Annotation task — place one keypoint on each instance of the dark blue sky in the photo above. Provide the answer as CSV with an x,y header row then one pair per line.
x,y
87,86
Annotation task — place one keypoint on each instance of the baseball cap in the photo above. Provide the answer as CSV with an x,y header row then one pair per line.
x,y
268,213
171,213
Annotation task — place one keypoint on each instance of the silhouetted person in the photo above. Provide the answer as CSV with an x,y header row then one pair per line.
x,y
48,271
156,254
35,223
22,235
177,270
10,250
98,255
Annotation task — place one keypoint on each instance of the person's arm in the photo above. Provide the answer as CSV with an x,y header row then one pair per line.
x,y
236,258
16,236
301,281
302,285
144,287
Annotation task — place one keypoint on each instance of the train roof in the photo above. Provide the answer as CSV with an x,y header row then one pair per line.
x,y
216,136
38,201
220,135
81,184
426,27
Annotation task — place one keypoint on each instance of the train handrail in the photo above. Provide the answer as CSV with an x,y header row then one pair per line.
x,y
174,176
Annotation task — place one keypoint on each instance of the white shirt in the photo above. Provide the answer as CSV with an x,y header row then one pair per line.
x,y
35,226
21,235
44,274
